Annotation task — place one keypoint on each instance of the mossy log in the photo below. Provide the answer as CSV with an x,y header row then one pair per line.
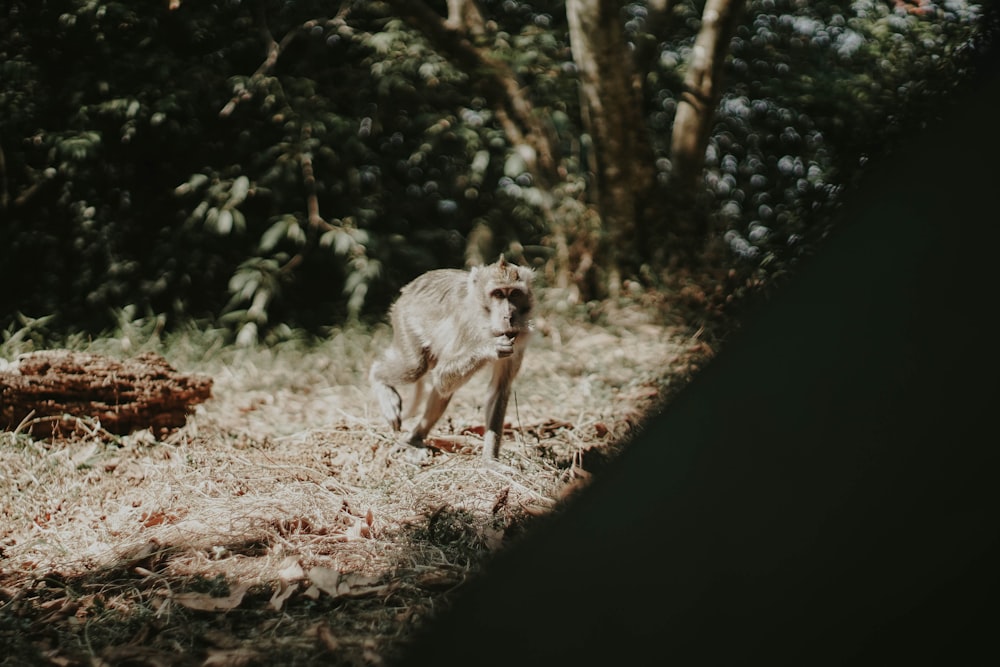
x,y
59,393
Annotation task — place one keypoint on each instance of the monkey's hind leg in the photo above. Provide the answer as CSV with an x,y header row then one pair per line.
x,y
389,402
416,399
390,370
436,404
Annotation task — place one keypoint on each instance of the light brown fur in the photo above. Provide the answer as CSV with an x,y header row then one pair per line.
x,y
448,324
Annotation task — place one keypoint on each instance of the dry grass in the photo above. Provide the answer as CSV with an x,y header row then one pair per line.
x,y
282,525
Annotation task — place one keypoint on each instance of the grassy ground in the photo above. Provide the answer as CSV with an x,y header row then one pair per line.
x,y
282,525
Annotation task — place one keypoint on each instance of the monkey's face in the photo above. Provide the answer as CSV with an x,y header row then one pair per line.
x,y
504,292
509,307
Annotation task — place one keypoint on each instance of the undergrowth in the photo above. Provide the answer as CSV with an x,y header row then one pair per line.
x,y
283,524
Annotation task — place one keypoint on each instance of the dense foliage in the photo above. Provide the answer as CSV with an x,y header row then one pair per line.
x,y
155,158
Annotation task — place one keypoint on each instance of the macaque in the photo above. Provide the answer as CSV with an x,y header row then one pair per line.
x,y
447,324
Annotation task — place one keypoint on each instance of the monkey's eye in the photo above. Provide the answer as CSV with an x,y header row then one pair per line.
x,y
497,294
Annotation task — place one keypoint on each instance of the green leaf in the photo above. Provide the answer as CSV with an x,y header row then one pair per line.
x,y
224,223
357,299
274,234
359,235
212,219
342,243
247,337
258,309
193,183
328,238
241,186
296,233
514,166
241,279
354,280
239,221
198,213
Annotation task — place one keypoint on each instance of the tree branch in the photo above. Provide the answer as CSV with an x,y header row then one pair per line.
x,y
494,80
274,50
315,220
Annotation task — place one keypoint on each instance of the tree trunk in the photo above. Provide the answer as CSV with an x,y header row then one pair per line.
x,y
621,159
702,89
58,392
465,15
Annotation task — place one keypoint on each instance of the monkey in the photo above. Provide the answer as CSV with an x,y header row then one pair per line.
x,y
448,324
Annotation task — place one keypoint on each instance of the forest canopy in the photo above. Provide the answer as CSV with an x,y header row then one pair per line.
x,y
262,163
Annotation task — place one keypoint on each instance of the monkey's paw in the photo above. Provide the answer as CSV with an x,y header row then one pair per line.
x,y
390,404
414,453
504,346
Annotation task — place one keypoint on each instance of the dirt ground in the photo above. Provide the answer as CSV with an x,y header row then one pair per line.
x,y
283,524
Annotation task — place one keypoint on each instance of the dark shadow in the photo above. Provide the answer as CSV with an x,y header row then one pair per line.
x,y
824,492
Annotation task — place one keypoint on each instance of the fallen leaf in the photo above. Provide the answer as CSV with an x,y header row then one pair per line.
x,y
230,657
367,590
56,603
325,579
549,428
157,518
353,580
501,500
491,537
452,444
203,602
59,609
359,530
535,509
86,604
160,604
290,569
350,585
138,655
369,654
439,580
283,592
326,637
221,639
59,660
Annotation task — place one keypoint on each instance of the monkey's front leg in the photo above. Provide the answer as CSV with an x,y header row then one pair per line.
x,y
450,374
504,371
447,377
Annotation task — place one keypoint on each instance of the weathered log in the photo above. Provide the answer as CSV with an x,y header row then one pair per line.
x,y
59,392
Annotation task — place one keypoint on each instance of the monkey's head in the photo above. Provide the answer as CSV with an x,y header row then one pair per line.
x,y
503,290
